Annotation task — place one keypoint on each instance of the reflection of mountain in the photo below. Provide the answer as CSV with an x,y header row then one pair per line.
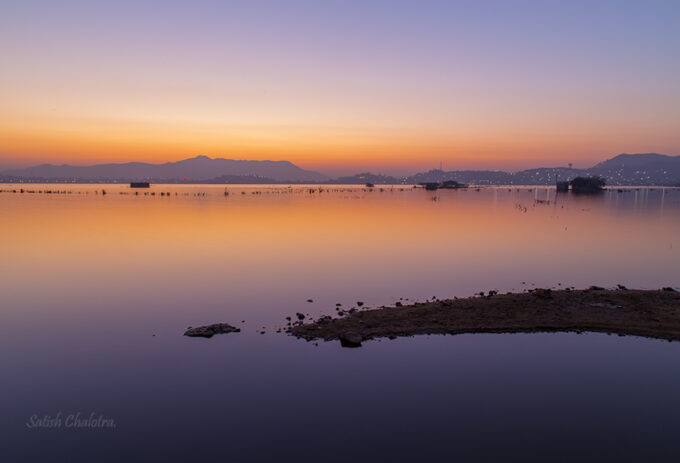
x,y
200,168
624,169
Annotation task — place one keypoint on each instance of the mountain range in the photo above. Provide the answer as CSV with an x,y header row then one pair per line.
x,y
197,169
624,169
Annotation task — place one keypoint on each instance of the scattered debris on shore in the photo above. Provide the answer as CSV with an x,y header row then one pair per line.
x,y
647,313
209,331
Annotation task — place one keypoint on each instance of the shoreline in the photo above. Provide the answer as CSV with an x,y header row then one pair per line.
x,y
645,313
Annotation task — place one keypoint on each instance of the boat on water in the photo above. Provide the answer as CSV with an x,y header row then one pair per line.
x,y
562,186
587,185
447,185
140,184
452,185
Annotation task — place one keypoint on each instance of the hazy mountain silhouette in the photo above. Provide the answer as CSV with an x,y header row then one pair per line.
x,y
639,160
640,169
200,168
624,169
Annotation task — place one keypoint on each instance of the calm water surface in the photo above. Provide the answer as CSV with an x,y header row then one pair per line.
x,y
96,291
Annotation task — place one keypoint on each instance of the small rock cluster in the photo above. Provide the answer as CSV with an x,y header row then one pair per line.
x,y
209,331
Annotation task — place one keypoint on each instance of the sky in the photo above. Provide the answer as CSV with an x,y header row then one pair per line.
x,y
339,86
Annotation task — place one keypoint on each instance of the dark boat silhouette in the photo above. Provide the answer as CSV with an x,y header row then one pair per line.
x,y
452,185
447,185
139,185
587,185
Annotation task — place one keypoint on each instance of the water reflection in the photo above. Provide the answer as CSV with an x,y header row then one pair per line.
x,y
89,279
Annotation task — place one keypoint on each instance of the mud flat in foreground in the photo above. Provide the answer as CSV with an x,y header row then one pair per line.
x,y
653,314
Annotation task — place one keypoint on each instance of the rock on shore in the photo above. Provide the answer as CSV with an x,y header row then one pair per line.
x,y
209,331
648,313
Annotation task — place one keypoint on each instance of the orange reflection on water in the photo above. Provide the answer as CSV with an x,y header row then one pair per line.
x,y
280,241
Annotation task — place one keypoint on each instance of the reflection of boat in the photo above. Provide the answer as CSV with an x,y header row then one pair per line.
x,y
139,185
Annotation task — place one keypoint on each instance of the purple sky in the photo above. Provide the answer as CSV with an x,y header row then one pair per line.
x,y
339,86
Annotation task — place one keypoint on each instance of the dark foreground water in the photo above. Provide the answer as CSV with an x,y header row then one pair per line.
x,y
97,290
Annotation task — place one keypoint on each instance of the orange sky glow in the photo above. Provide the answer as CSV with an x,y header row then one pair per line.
x,y
391,93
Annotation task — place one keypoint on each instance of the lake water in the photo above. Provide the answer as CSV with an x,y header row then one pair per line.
x,y
96,291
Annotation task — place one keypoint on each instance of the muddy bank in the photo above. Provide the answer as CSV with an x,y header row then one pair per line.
x,y
653,314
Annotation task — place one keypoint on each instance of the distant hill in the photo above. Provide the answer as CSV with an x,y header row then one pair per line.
x,y
198,169
639,169
624,169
